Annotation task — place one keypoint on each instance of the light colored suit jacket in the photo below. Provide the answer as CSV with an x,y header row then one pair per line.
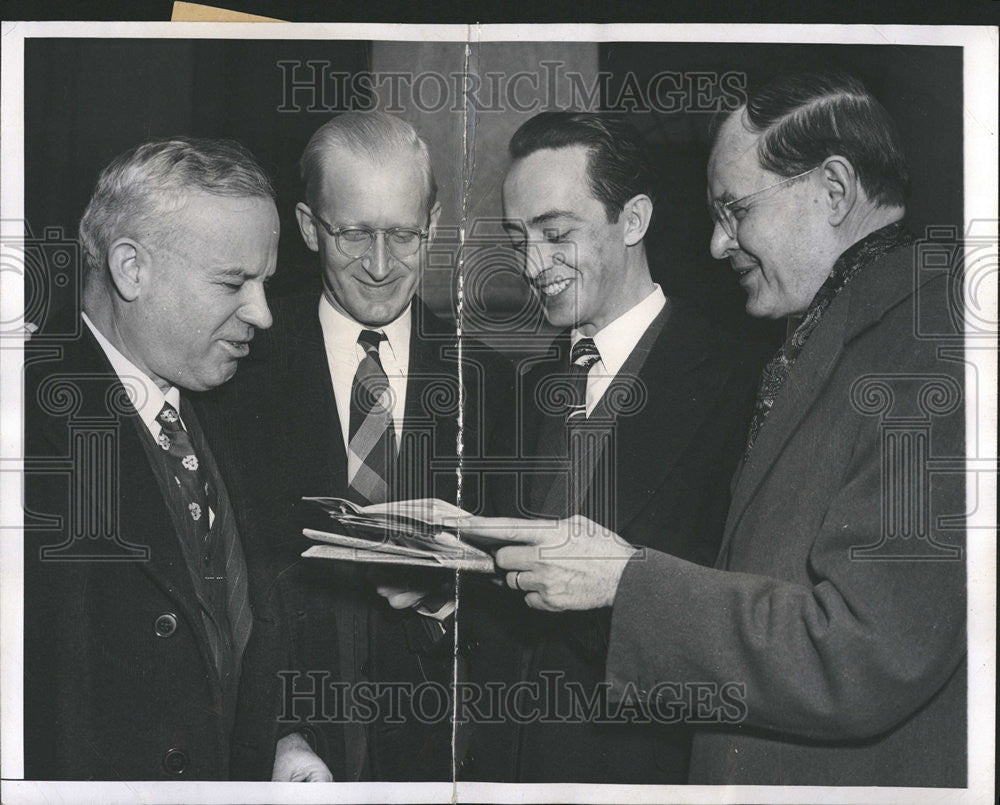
x,y
832,630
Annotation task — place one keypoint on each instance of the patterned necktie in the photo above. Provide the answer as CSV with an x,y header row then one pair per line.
x,y
190,478
220,582
371,449
582,358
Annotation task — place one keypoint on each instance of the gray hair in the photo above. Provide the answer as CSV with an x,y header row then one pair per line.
x,y
375,135
141,186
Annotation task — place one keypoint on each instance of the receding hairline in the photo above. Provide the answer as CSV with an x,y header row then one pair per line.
x,y
334,152
377,137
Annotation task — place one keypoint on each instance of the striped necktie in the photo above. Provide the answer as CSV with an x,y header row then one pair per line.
x,y
584,355
371,450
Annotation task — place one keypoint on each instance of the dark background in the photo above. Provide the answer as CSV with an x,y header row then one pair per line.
x,y
892,12
87,100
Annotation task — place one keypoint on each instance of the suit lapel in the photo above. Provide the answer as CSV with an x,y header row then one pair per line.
x,y
671,367
548,492
143,517
295,371
430,424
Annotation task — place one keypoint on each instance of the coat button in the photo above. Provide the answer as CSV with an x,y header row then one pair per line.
x,y
470,646
165,625
175,761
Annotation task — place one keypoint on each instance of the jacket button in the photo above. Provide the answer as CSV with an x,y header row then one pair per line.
x,y
175,761
165,625
470,646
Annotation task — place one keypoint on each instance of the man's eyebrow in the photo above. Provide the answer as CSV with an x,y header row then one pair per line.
x,y
231,272
551,215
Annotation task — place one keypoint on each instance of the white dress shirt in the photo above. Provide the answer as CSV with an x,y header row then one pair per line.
x,y
343,354
616,341
142,392
145,396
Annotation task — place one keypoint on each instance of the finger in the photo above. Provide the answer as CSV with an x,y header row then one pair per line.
x,y
523,580
385,590
406,600
508,529
517,557
535,601
319,775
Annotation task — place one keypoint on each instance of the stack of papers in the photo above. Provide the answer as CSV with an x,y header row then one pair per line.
x,y
409,532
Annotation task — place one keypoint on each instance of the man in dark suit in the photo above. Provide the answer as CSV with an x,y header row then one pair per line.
x,y
642,405
294,423
830,636
145,616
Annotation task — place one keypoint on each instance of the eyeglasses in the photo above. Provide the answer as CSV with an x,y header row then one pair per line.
x,y
357,241
725,216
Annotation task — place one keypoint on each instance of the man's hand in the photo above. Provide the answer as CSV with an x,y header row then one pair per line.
x,y
295,762
560,564
407,588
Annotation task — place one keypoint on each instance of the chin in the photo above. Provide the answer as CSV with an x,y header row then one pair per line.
x,y
380,315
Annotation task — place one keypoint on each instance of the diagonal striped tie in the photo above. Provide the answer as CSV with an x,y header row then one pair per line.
x,y
582,359
371,449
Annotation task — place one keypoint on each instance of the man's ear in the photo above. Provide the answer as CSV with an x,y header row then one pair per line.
x,y
840,187
435,214
307,226
127,259
636,213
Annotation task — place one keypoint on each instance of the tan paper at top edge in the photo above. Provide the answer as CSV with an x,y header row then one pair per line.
x,y
196,12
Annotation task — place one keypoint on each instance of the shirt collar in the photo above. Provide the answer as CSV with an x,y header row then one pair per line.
x,y
339,330
143,393
616,340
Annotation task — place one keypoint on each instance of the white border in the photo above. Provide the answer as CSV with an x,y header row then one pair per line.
x,y
980,121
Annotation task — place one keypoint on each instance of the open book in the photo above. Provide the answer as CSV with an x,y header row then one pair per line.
x,y
409,532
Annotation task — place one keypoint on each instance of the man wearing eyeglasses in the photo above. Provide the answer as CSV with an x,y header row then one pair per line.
x,y
355,394
829,639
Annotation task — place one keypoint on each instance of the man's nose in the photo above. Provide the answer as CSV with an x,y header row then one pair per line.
x,y
377,262
540,257
255,311
722,243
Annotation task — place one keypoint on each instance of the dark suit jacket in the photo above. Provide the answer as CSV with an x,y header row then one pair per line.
x,y
842,615
276,425
677,413
119,677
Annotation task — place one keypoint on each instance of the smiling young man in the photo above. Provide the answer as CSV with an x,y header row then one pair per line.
x,y
664,394
295,422
145,607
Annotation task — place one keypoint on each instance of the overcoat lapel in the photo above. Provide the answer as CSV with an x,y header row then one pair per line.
x,y
860,305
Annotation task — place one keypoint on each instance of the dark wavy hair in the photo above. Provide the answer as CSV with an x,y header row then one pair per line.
x,y
806,117
618,164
